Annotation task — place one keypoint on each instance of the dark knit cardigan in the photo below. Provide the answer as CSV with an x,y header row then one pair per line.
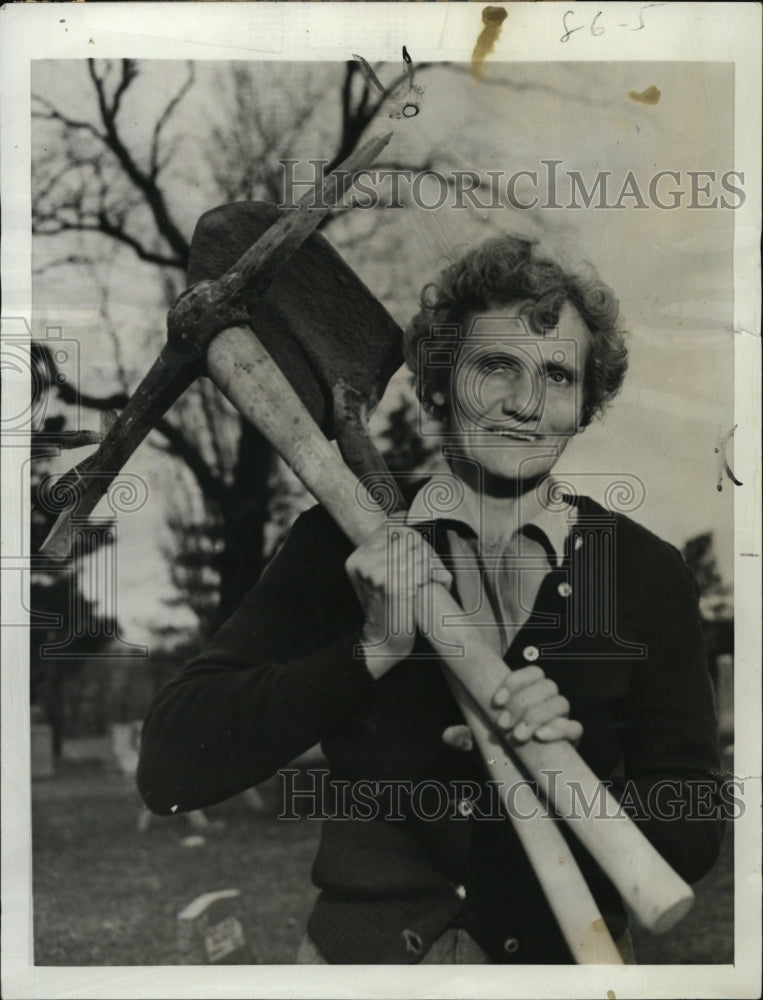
x,y
283,674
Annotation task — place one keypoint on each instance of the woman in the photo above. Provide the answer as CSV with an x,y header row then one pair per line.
x,y
514,355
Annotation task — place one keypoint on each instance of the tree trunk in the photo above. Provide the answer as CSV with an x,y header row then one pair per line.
x,y
244,519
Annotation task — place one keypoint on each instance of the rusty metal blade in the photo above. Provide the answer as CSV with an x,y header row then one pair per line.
x,y
89,480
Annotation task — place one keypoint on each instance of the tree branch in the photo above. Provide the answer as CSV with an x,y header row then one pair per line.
x,y
155,166
73,258
145,183
53,114
116,232
51,226
129,73
109,218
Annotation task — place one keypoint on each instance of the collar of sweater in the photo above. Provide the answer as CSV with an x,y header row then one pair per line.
x,y
445,497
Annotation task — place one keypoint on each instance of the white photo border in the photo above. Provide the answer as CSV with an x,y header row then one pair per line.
x,y
333,31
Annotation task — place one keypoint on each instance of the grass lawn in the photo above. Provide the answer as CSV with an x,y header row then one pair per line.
x,y
106,895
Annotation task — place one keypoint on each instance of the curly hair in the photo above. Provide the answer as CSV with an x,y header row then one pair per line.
x,y
506,269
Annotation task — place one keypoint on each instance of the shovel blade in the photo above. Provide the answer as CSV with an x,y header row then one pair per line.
x,y
318,321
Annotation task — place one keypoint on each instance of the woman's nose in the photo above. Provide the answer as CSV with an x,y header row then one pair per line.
x,y
521,393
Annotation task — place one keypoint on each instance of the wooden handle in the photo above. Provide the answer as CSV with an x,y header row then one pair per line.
x,y
656,894
243,370
556,869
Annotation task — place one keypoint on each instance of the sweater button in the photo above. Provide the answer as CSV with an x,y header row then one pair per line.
x,y
531,653
510,945
578,542
564,589
460,891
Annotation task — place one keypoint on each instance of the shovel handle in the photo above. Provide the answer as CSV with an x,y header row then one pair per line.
x,y
555,867
246,374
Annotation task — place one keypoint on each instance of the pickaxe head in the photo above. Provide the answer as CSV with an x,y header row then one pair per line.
x,y
256,244
334,342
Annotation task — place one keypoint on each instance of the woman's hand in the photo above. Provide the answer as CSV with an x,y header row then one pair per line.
x,y
387,573
527,704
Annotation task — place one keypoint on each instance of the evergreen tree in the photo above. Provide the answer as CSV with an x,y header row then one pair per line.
x,y
65,625
403,448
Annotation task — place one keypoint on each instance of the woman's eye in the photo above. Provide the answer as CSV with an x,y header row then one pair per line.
x,y
559,376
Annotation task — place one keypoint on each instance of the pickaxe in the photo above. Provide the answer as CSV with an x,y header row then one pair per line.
x,y
258,240
212,323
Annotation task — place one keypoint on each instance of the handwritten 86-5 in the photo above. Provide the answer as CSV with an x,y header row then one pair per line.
x,y
598,27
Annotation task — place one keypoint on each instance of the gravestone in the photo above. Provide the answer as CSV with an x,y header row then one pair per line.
x,y
125,745
210,931
724,690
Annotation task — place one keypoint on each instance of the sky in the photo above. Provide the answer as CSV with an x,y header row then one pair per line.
x,y
671,269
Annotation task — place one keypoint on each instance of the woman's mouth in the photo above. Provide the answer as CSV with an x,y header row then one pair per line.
x,y
512,435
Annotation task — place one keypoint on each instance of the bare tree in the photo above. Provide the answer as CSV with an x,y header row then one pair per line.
x,y
244,149
96,183
96,176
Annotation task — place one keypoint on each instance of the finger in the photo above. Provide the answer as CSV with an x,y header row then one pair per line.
x,y
423,567
403,535
521,678
546,710
438,572
375,548
363,560
378,539
504,722
458,737
408,558
514,682
389,572
560,729
397,552
521,701
501,696
540,714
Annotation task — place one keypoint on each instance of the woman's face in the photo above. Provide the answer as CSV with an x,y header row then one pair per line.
x,y
515,397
